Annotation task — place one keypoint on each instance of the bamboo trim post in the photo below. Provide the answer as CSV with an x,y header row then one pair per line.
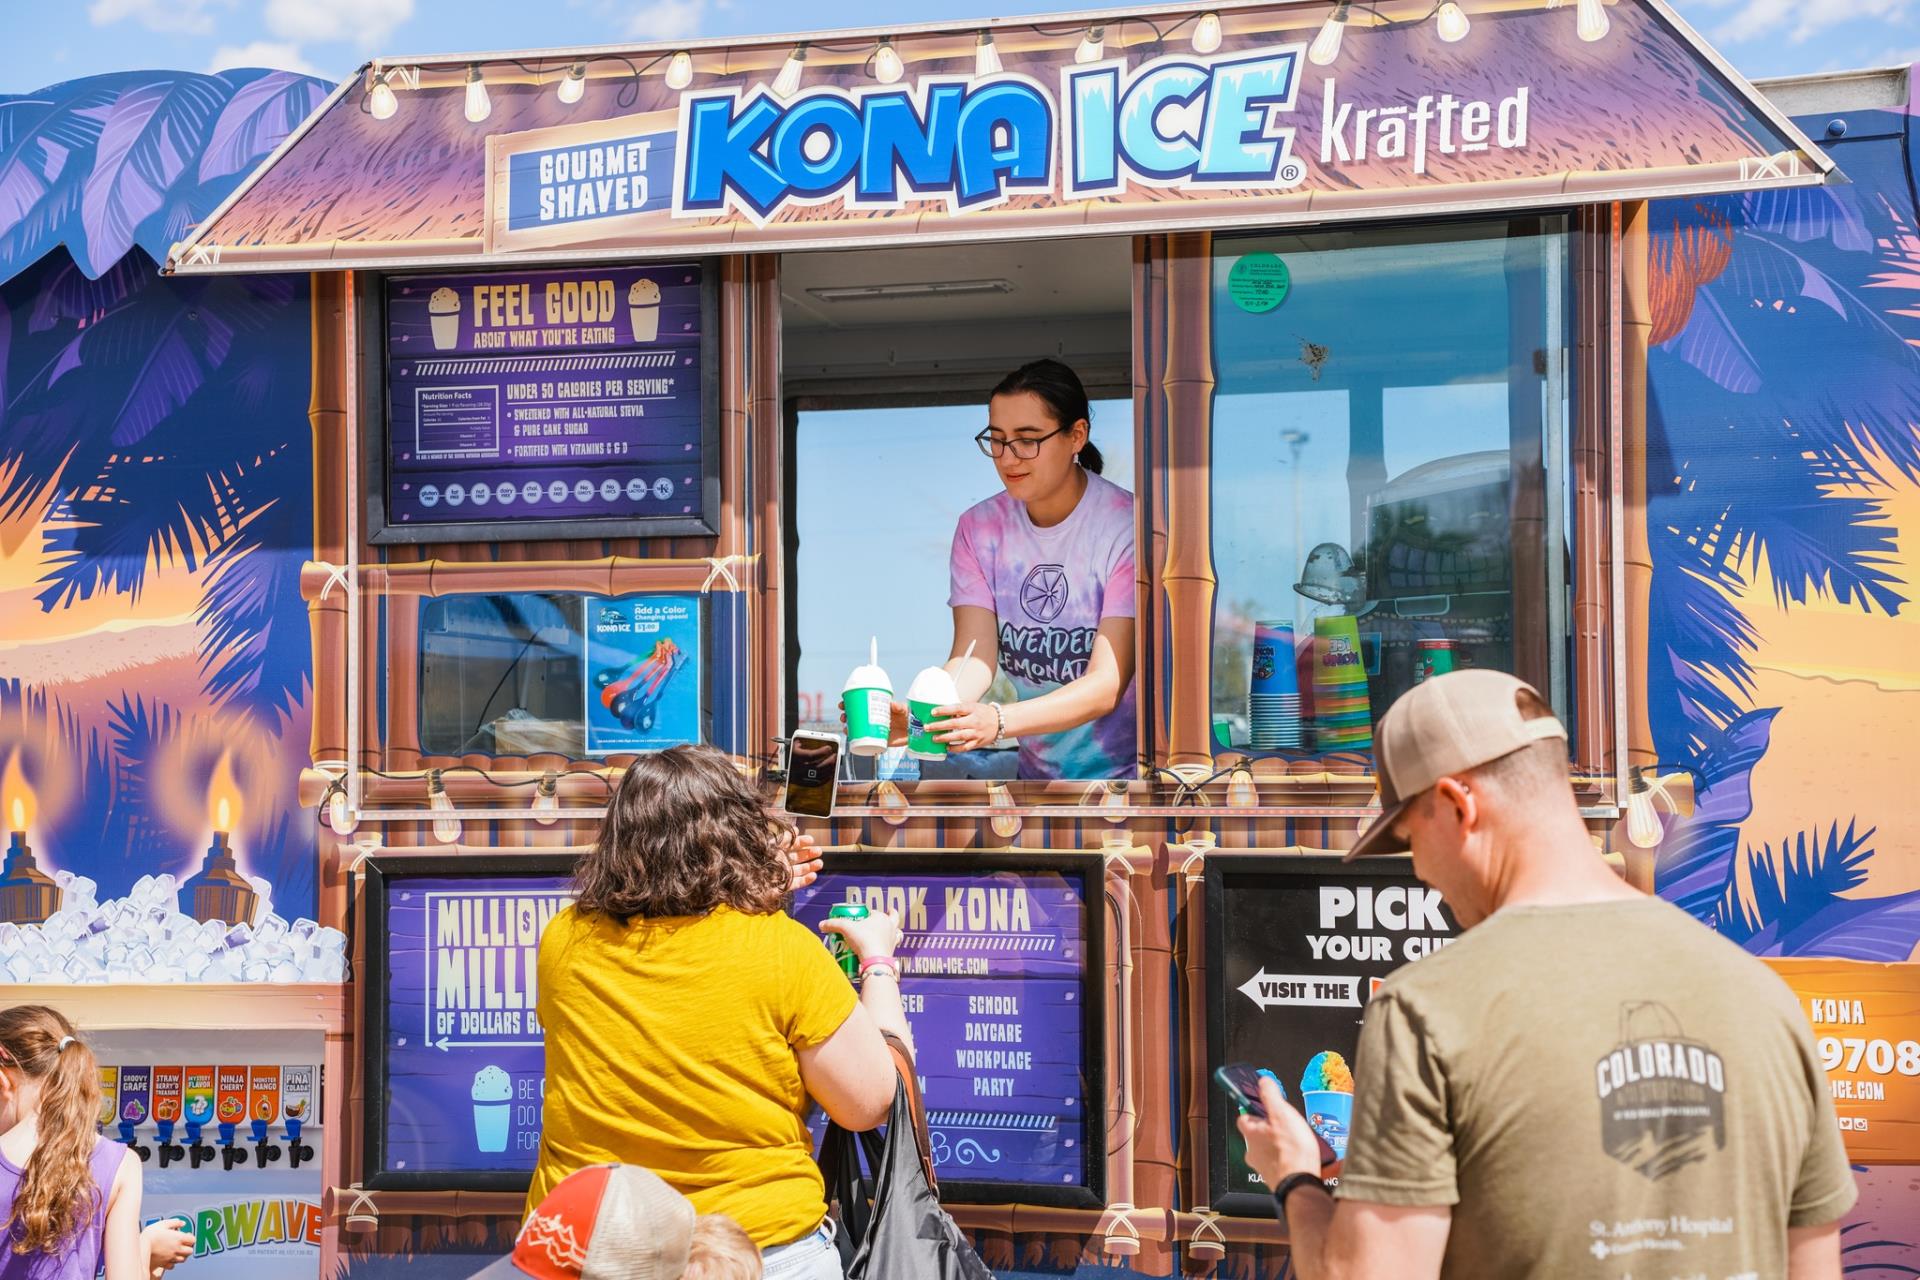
x,y
1636,328
1592,491
1188,384
766,431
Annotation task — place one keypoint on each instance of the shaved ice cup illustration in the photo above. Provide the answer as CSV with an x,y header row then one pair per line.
x,y
443,309
643,309
492,1108
1326,1094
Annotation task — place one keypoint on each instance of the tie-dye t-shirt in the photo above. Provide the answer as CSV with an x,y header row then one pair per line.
x,y
1051,589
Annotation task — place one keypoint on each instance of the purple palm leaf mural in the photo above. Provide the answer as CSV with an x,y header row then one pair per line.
x,y
167,415
1783,392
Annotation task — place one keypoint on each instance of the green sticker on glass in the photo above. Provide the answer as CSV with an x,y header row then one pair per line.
x,y
1259,282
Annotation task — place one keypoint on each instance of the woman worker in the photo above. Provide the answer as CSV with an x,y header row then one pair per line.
x,y
1043,578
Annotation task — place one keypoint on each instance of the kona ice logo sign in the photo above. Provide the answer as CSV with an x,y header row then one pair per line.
x,y
975,143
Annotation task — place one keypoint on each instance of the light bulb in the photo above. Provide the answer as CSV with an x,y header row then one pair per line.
x,y
574,87
1241,791
887,67
381,102
1206,33
1092,45
446,827
986,58
1326,46
1643,823
787,83
546,800
1452,22
479,106
339,815
1593,21
1006,819
680,70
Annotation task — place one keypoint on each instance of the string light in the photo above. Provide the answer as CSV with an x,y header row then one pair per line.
x,y
446,827
381,102
1593,22
680,70
787,83
1326,46
1206,33
546,800
479,106
574,86
339,816
986,58
1092,45
1452,23
887,67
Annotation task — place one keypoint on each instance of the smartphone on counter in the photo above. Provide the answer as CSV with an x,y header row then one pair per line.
x,y
813,774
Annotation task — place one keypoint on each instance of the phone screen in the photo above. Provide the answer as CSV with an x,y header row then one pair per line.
x,y
1242,1083
813,775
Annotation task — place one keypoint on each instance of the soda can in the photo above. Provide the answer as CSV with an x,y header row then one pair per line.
x,y
1431,658
849,961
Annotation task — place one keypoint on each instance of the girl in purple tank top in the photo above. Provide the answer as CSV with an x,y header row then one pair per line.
x,y
73,1197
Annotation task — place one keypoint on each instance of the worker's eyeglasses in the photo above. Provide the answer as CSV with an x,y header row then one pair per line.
x,y
1025,448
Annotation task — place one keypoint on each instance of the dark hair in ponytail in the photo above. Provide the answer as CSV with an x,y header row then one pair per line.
x,y
56,1194
1059,387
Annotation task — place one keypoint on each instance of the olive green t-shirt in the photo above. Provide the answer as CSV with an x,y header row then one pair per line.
x,y
1600,1091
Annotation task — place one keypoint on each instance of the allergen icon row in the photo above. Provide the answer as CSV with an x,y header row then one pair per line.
x,y
531,492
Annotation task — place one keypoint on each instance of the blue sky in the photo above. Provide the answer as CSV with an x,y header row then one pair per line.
x,y
49,41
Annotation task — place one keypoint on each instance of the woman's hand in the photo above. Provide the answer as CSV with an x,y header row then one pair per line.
x,y
877,935
803,855
966,726
167,1245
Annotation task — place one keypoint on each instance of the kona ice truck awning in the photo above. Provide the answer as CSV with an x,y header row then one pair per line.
x,y
1135,121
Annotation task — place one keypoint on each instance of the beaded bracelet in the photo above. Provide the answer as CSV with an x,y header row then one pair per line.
x,y
884,964
1000,719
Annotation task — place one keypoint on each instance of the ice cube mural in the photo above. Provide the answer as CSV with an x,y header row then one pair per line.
x,y
155,508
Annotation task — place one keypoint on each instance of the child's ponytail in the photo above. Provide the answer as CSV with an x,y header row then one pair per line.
x,y
57,1194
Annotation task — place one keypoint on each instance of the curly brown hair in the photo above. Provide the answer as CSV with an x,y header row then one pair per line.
x,y
686,832
56,1196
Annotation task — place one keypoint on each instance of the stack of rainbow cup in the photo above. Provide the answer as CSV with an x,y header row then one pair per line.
x,y
1273,701
1342,714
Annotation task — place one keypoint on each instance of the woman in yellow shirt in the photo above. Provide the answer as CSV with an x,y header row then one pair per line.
x,y
688,1018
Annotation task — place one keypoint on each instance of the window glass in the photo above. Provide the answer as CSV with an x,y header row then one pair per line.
x,y
1381,442
501,675
878,493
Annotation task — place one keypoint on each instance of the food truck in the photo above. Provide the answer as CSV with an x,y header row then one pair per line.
x,y
646,385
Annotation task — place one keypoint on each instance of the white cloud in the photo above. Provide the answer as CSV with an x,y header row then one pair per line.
x,y
366,23
273,54
667,20
194,17
1802,20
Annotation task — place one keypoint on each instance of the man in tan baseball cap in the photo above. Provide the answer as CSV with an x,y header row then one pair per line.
x,y
1582,1071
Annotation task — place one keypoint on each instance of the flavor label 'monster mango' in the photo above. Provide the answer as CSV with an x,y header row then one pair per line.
x,y
263,1094
109,1094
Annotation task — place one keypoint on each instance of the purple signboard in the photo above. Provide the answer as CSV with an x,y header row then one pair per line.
x,y
459,1047
548,403
1000,977
996,975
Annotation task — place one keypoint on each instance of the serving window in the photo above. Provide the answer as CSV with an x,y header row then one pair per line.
x,y
1388,475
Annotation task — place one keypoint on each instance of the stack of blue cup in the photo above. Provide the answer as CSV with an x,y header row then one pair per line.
x,y
1274,696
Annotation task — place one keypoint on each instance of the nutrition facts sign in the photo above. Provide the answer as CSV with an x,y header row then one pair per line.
x,y
459,1046
1000,976
1295,948
541,399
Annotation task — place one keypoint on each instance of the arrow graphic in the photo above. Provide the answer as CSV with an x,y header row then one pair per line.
x,y
1314,991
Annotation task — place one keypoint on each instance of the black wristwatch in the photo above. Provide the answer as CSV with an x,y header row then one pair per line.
x,y
1288,1185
